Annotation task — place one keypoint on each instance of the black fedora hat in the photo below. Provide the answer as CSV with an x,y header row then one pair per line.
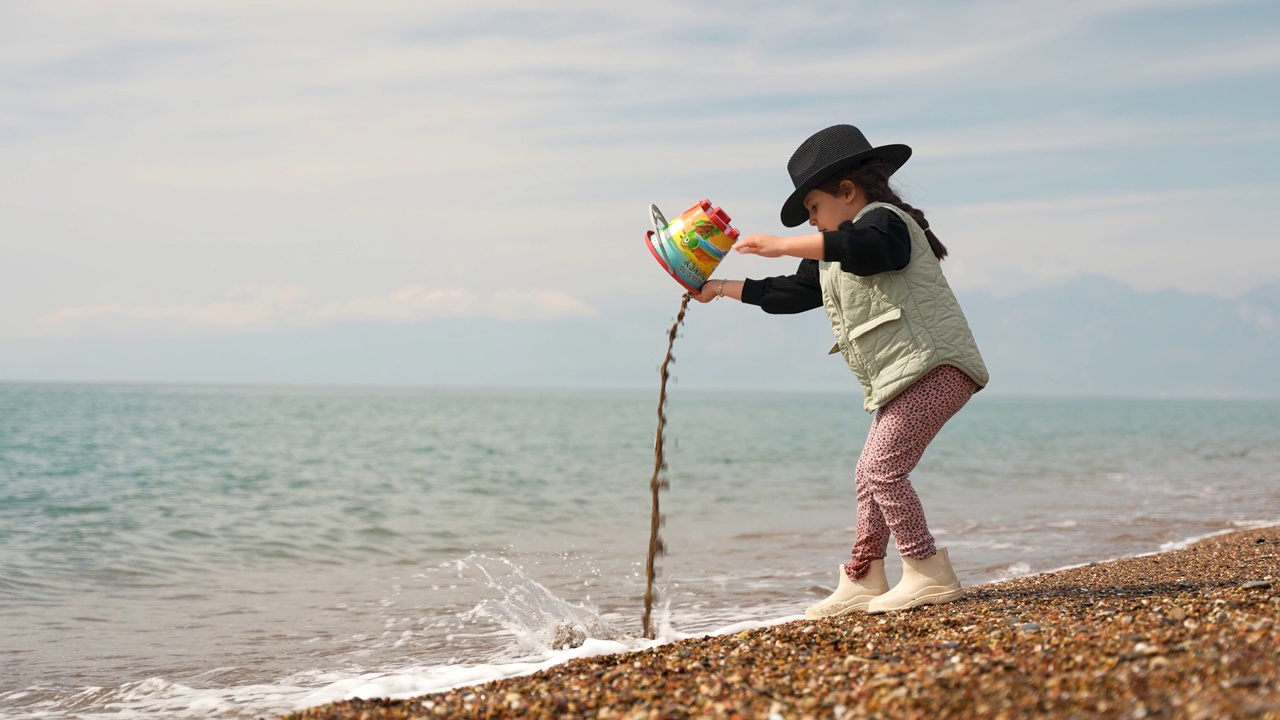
x,y
827,151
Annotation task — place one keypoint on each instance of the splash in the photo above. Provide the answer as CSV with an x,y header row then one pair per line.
x,y
540,621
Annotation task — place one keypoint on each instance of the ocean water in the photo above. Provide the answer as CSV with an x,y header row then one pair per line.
x,y
243,552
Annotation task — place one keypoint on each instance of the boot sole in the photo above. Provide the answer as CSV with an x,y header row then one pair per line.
x,y
856,607
933,599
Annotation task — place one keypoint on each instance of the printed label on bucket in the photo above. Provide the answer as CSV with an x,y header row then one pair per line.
x,y
692,246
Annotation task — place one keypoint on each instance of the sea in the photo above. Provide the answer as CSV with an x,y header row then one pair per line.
x,y
243,552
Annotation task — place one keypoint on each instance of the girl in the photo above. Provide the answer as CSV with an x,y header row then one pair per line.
x,y
874,266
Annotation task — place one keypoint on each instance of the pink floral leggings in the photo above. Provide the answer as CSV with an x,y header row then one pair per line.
x,y
900,432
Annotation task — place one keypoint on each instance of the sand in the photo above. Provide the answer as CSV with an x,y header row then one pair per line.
x,y
1191,633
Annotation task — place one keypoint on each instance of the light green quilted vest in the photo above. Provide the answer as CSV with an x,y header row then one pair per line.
x,y
893,327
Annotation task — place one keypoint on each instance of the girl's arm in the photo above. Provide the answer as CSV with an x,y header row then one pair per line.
x,y
809,247
781,295
878,242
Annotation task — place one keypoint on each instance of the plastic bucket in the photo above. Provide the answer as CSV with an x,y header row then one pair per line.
x,y
690,247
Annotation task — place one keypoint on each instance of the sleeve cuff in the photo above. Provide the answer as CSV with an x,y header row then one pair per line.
x,y
830,241
752,291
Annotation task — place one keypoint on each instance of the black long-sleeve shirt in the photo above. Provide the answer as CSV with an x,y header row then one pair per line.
x,y
878,242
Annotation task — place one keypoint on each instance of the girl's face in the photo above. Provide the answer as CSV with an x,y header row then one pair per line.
x,y
827,211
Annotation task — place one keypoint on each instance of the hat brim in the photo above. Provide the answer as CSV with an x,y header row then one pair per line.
x,y
793,210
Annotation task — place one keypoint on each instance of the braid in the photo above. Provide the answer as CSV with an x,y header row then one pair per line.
x,y
939,250
873,180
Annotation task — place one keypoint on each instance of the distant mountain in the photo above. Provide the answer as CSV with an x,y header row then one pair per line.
x,y
1090,336
1094,336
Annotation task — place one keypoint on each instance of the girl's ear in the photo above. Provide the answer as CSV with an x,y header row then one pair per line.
x,y
848,191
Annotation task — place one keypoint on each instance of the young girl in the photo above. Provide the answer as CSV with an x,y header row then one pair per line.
x,y
874,266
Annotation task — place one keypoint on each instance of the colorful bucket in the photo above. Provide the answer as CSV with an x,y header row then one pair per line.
x,y
691,246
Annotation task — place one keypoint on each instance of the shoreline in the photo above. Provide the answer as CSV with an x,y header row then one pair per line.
x,y
1187,632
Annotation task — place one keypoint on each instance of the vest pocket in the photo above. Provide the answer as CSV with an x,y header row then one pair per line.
x,y
870,348
875,322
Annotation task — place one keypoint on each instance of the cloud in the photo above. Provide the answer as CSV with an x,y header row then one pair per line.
x,y
416,303
275,308
1080,131
1259,317
1217,241
151,152
251,96
1243,57
241,308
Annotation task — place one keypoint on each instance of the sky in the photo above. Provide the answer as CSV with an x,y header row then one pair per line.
x,y
222,168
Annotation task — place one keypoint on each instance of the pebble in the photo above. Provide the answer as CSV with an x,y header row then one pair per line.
x,y
1144,650
1085,660
1256,585
568,636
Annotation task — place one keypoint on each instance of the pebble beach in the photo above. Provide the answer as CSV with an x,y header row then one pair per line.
x,y
1189,633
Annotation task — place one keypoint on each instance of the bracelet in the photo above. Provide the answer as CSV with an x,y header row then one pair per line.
x,y
720,290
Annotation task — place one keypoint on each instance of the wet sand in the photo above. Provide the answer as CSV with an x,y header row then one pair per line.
x,y
1192,633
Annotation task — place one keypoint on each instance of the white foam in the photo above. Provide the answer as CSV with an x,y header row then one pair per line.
x,y
412,682
1019,569
1236,526
416,681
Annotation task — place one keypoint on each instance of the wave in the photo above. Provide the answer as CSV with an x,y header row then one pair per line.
x,y
546,629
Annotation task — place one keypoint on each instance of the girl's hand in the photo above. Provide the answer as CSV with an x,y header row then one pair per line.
x,y
770,246
710,291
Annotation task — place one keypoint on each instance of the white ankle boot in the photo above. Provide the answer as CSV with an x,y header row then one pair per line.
x,y
851,595
924,582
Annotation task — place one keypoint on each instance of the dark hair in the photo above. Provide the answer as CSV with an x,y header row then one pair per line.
x,y
873,180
